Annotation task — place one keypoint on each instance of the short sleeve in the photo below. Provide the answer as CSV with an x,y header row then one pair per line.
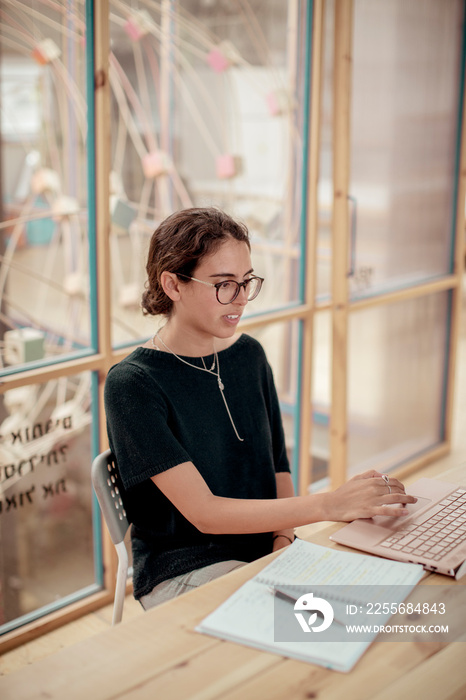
x,y
137,425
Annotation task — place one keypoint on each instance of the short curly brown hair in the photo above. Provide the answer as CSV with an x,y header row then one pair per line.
x,y
178,245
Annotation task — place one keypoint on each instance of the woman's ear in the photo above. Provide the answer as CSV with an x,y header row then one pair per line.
x,y
170,285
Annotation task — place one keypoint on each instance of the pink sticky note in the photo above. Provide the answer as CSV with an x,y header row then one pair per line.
x,y
225,166
133,30
217,61
272,104
154,163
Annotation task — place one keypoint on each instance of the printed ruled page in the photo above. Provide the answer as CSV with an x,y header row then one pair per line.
x,y
311,564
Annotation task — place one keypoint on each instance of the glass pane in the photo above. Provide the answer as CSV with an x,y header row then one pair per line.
x,y
44,291
405,96
280,342
207,109
325,184
46,541
321,397
397,357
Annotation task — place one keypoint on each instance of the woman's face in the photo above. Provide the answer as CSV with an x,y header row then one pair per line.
x,y
198,308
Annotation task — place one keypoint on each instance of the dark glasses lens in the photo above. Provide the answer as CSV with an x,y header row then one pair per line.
x,y
228,291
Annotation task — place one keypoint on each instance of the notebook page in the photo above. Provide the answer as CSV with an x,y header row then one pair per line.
x,y
247,617
304,563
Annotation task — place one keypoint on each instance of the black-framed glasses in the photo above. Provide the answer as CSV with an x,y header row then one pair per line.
x,y
228,290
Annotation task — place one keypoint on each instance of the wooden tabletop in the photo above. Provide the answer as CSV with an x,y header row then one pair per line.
x,y
158,655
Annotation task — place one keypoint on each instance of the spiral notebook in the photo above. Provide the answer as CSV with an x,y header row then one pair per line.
x,y
247,617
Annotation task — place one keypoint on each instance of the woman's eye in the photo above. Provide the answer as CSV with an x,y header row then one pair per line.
x,y
227,285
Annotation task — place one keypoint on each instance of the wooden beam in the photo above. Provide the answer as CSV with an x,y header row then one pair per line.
x,y
53,621
417,463
340,238
305,431
102,170
54,371
449,282
265,319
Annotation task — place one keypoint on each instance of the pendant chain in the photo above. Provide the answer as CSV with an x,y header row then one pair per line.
x,y
215,364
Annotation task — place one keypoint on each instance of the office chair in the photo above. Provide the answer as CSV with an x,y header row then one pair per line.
x,y
109,490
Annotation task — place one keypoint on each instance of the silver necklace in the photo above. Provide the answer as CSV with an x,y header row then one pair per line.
x,y
215,364
212,366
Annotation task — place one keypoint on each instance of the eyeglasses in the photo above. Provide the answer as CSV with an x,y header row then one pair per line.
x,y
228,290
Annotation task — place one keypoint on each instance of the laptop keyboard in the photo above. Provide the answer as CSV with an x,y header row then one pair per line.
x,y
436,536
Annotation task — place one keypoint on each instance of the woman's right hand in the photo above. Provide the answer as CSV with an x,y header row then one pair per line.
x,y
367,495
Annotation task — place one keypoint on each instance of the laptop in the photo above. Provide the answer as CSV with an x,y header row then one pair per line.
x,y
432,534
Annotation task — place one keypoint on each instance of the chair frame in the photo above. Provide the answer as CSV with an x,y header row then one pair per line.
x,y
109,490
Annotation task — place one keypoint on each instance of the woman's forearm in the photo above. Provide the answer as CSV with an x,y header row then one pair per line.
x,y
363,496
224,516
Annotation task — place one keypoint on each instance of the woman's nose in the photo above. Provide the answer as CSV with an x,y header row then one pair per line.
x,y
242,297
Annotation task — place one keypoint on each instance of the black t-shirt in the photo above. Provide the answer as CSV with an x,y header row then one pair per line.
x,y
162,412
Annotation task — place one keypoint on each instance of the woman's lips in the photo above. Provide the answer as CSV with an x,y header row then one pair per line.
x,y
232,319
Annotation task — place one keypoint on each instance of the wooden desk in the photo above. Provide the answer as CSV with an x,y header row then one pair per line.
x,y
159,655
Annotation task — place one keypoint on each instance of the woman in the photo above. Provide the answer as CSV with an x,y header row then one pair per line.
x,y
194,422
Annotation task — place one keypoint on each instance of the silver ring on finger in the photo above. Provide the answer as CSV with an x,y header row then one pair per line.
x,y
385,477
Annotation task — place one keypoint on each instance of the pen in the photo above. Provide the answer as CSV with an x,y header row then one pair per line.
x,y
282,594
